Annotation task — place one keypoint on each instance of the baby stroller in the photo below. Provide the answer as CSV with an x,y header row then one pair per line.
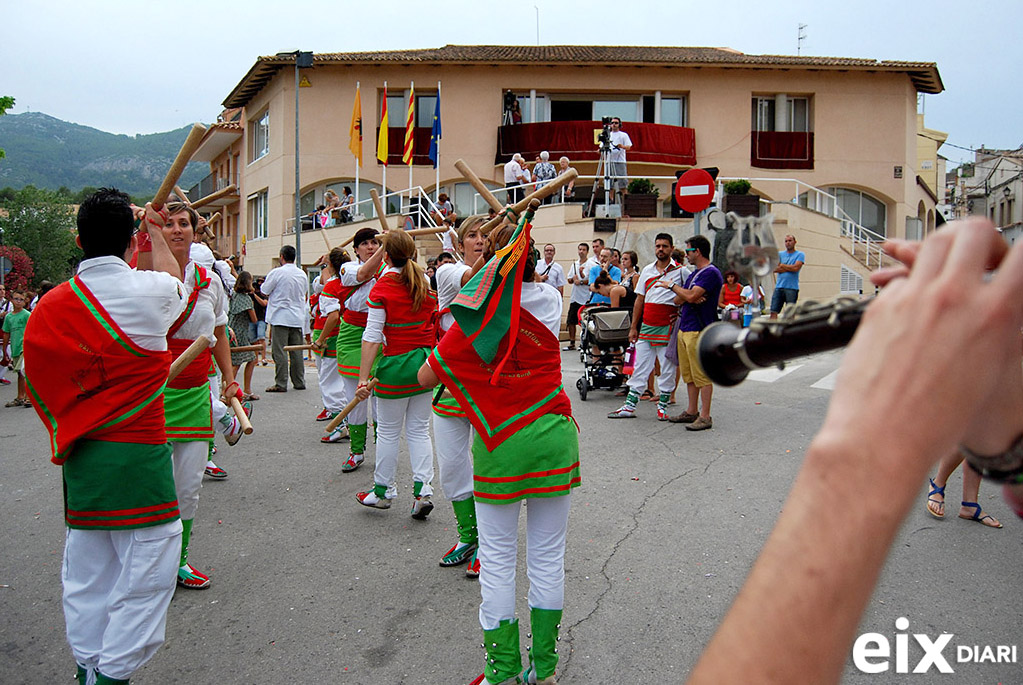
x,y
605,338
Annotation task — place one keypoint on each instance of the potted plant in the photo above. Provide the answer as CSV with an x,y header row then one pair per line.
x,y
739,200
641,198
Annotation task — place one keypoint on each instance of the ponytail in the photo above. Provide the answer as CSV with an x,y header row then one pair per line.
x,y
401,250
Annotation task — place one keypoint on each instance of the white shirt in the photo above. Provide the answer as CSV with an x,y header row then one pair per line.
x,y
581,292
286,288
512,173
655,295
447,240
449,283
328,303
543,302
554,273
349,277
618,140
209,311
143,304
755,304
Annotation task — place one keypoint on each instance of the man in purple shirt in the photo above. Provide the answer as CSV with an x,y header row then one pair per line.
x,y
698,297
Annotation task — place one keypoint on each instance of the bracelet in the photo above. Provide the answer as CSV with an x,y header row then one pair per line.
x,y
1006,467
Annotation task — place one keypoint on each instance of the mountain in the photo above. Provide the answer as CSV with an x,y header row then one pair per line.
x,y
49,153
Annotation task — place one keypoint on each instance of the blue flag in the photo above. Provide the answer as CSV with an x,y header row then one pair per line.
x,y
435,134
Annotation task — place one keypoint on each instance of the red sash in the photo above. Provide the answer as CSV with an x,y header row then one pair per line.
x,y
529,385
87,377
355,318
202,281
314,307
659,314
406,329
195,374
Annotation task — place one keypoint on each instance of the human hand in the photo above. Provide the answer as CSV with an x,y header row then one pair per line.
x,y
231,390
154,219
362,392
633,336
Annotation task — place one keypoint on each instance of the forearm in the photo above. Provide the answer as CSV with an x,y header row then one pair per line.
x,y
369,269
222,354
369,353
162,259
329,327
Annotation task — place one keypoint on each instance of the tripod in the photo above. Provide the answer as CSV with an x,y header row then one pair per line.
x,y
603,173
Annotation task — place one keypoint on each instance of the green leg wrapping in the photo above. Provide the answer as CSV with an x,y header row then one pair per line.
x,y
104,680
417,488
465,517
186,535
374,432
543,657
379,490
82,674
357,434
503,658
662,401
631,400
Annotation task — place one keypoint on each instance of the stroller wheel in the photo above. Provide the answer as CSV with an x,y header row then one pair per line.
x,y
583,386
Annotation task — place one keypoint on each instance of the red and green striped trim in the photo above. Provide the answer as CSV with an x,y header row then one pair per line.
x,y
122,518
483,495
104,319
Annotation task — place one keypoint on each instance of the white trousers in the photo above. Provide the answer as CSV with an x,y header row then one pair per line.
x,y
645,356
189,465
219,409
117,587
453,441
546,528
332,388
360,414
414,413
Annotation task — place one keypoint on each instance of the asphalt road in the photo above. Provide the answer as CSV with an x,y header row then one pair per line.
x,y
310,587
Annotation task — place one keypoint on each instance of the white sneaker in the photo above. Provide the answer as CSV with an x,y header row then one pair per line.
x,y
233,433
340,433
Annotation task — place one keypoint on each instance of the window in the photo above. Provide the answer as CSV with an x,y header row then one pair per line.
x,y
673,111
542,110
259,225
626,110
396,111
865,210
462,197
796,116
259,131
425,106
307,203
851,282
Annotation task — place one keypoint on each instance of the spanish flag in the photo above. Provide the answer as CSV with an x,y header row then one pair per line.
x,y
382,136
410,123
355,130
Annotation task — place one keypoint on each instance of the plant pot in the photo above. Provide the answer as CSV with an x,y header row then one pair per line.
x,y
640,205
743,205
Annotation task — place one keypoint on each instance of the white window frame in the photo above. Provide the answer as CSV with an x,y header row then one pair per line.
x,y
259,219
260,128
764,108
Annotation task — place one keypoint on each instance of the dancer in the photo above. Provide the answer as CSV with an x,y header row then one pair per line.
x,y
357,277
103,335
332,387
526,446
402,319
452,431
970,508
187,402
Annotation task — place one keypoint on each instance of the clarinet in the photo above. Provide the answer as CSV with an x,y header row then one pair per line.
x,y
728,353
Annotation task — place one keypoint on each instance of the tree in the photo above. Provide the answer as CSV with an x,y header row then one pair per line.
x,y
22,273
6,102
41,223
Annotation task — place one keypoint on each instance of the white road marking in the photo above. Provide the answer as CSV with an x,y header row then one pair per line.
x,y
772,374
828,382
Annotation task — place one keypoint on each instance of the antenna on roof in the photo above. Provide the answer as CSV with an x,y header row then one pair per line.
x,y
800,37
537,25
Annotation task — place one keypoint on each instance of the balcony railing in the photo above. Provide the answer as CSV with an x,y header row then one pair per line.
x,y
656,143
207,186
781,149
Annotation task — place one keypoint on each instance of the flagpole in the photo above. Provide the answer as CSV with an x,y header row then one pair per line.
x,y
411,96
436,188
360,144
383,181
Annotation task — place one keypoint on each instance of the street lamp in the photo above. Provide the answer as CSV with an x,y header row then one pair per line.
x,y
303,60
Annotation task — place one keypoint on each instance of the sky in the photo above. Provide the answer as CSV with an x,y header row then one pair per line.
x,y
144,67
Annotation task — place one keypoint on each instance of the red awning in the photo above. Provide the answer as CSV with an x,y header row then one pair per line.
x,y
656,143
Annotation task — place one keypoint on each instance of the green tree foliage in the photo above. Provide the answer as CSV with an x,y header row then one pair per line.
x,y
6,102
42,223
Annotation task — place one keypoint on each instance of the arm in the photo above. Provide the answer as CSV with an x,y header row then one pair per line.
x,y
369,269
693,295
788,268
427,377
160,258
637,318
369,353
222,355
329,329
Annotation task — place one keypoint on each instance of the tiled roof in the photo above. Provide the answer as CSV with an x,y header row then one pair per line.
x,y
924,75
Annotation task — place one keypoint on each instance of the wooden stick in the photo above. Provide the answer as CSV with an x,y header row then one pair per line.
x,y
336,421
247,348
538,195
289,348
213,197
215,217
323,234
182,195
188,149
239,412
188,356
380,209
480,187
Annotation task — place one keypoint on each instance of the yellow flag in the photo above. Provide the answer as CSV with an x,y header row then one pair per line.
x,y
355,130
410,122
382,137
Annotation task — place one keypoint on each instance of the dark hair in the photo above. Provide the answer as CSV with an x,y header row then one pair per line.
x,y
603,279
601,241
364,234
665,236
105,223
633,257
288,254
348,190
731,272
337,257
616,251
586,245
244,282
442,257
701,243
178,207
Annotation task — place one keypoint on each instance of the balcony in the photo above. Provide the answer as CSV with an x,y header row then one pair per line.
x,y
577,140
209,185
396,144
781,149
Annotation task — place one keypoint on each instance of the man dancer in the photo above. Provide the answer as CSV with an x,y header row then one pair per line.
x,y
653,316
103,336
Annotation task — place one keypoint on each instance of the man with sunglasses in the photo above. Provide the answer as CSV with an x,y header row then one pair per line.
x,y
620,143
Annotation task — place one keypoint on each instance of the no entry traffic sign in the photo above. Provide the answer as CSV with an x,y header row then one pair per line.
x,y
694,190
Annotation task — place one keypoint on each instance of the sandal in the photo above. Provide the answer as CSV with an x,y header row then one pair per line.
x,y
647,395
274,388
250,397
14,403
935,490
986,519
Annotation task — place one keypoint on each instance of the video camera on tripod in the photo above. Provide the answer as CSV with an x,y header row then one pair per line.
x,y
605,135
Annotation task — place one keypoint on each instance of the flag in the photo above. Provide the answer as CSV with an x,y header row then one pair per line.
x,y
410,123
382,137
355,130
435,134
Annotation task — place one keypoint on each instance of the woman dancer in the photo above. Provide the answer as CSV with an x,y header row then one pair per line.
x,y
402,318
325,343
526,447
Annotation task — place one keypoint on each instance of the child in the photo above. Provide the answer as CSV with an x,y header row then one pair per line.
x,y
14,335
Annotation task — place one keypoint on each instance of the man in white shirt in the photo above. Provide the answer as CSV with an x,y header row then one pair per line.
x,y
579,277
515,175
620,143
286,289
549,271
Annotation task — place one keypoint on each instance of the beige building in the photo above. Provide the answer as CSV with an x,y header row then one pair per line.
x,y
848,127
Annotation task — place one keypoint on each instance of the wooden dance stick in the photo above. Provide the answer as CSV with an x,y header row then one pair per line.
x,y
239,413
188,149
380,209
538,195
289,348
213,197
188,356
480,187
182,195
214,218
323,234
247,348
336,421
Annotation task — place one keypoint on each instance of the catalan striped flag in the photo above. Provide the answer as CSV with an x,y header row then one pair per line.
x,y
382,137
410,124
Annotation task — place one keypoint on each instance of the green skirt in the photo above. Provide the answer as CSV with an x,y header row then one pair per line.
x,y
397,375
